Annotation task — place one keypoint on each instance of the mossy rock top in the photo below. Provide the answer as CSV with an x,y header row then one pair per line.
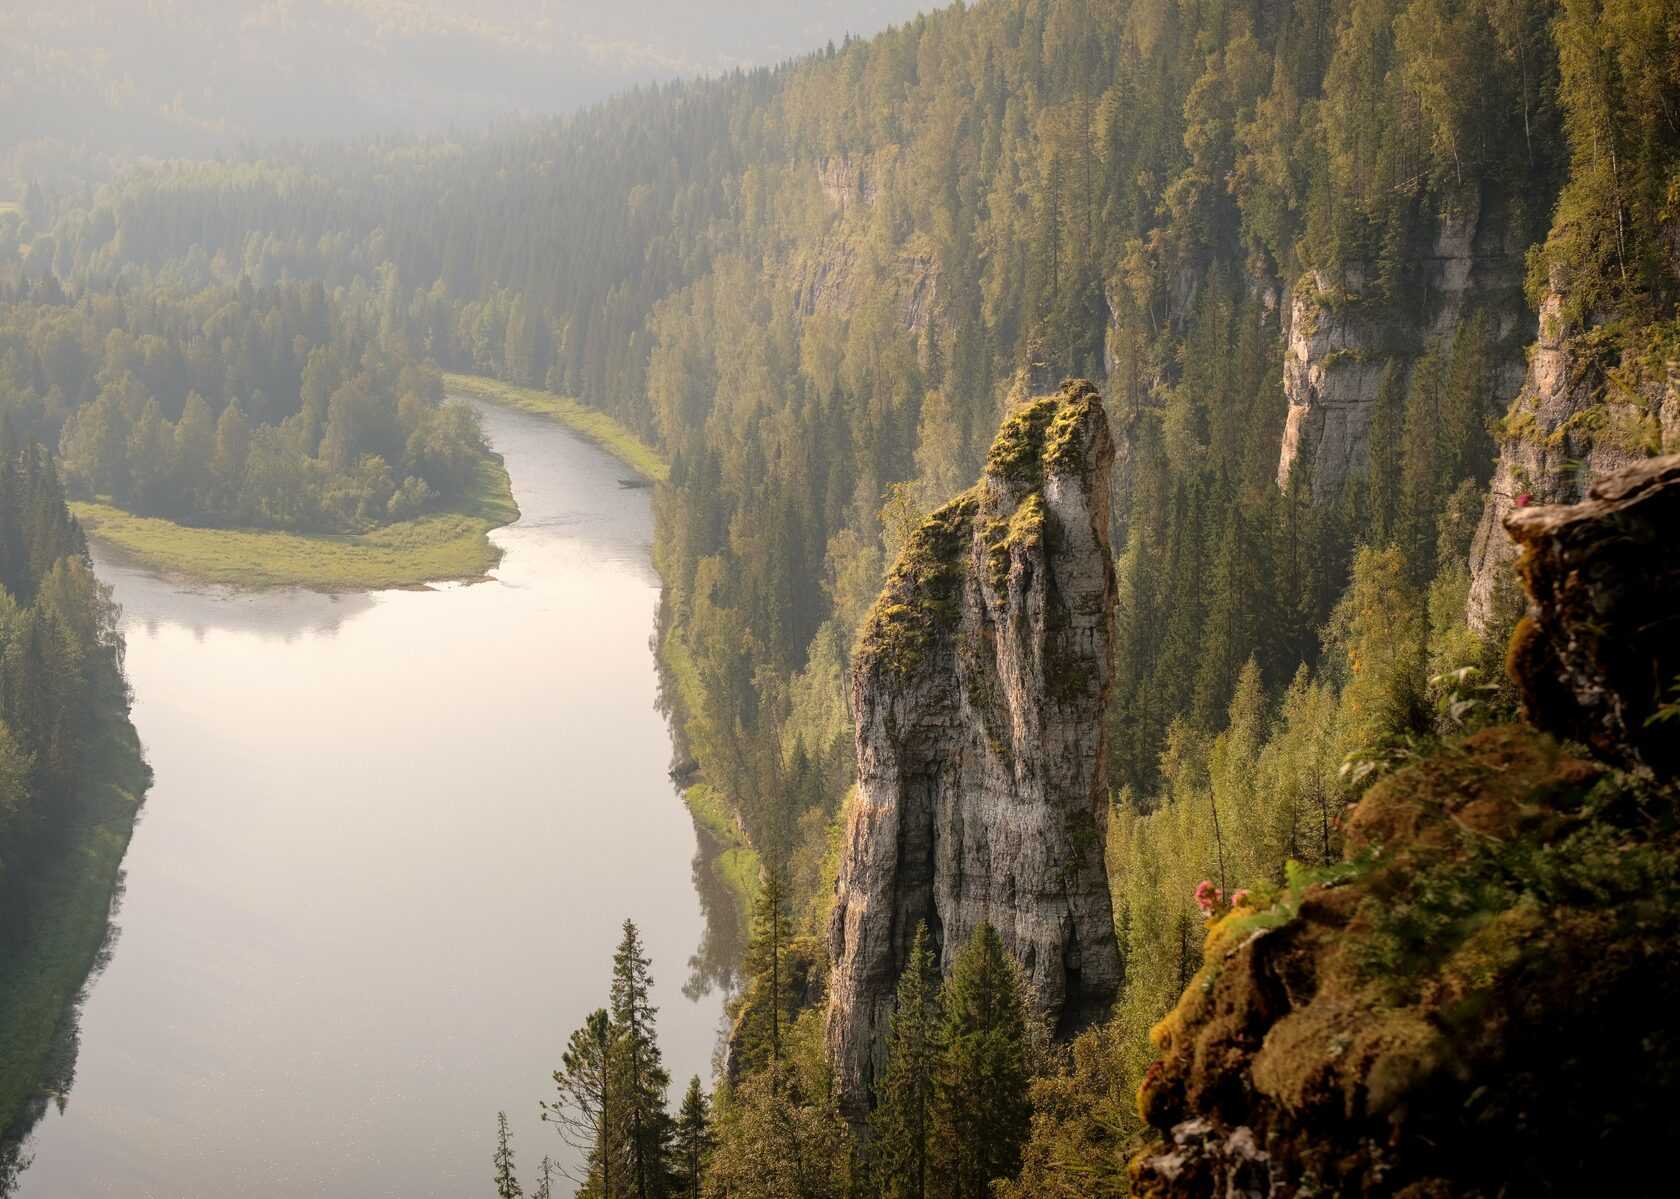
x,y
1042,436
922,598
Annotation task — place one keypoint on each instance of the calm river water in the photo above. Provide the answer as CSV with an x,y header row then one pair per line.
x,y
384,864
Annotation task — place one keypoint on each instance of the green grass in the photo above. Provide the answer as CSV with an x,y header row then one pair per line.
x,y
597,426
74,901
683,675
737,863
452,544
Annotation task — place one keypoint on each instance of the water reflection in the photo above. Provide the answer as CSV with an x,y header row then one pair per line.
x,y
713,965
384,860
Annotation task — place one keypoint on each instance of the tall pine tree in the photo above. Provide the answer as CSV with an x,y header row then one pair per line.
x,y
584,1109
980,1109
903,1116
507,1186
642,1126
694,1140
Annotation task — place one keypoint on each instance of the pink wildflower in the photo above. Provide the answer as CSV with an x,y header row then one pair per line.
x,y
1239,897
1525,499
1207,896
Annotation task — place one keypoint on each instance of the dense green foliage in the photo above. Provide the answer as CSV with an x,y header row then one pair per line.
x,y
901,1126
611,1090
980,1074
274,408
60,672
810,284
71,775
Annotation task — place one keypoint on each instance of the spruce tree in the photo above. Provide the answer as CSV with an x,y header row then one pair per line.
x,y
764,1003
694,1140
545,1179
980,1108
638,1077
507,1186
902,1119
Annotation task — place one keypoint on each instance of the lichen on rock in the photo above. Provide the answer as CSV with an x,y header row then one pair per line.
x,y
978,687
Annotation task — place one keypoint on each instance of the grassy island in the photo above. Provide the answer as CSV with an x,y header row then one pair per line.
x,y
449,544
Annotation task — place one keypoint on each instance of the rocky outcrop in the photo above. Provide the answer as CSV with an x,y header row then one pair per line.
x,y
1574,420
1476,1002
1341,340
1598,656
1333,369
845,184
836,279
978,689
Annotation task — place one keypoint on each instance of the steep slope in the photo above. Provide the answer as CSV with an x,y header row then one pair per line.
x,y
979,686
1343,340
1471,1004
1580,415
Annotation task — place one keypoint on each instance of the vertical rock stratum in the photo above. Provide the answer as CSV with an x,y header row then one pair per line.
x,y
1343,336
978,688
1573,421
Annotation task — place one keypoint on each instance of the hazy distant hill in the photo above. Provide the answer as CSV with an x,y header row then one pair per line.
x,y
178,77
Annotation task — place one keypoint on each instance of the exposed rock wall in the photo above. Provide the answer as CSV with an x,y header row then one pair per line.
x,y
1340,341
1567,426
978,688
1598,655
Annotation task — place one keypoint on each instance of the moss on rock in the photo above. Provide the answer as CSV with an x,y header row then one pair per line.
x,y
923,593
1477,1007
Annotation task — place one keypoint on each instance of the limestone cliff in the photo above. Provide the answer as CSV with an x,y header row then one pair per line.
x,y
1579,416
978,689
1477,1002
1598,655
1341,339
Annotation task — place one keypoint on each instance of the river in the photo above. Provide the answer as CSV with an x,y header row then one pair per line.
x,y
383,866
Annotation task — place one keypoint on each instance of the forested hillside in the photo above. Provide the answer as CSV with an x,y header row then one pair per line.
x,y
71,776
233,406
815,283
1301,245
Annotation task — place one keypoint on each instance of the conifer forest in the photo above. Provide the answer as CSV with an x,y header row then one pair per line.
x,y
1013,599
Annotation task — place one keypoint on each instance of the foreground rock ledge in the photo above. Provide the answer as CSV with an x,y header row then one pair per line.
x,y
1480,1002
978,687
1598,655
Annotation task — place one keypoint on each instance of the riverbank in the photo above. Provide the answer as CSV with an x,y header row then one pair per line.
x,y
452,544
737,862
617,439
40,985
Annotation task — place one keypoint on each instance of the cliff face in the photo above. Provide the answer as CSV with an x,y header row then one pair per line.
x,y
1598,656
978,690
1574,420
1475,1003
1340,341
